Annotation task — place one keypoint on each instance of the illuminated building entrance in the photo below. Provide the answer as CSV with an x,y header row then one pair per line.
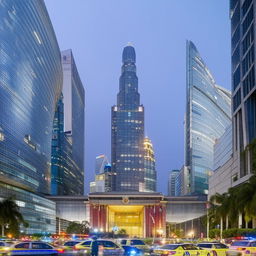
x,y
139,214
129,217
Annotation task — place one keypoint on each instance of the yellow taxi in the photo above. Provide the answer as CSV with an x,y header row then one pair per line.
x,y
179,250
242,247
4,248
106,248
215,249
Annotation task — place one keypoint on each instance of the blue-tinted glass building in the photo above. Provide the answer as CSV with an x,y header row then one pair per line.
x,y
208,114
68,133
128,129
30,84
242,14
66,177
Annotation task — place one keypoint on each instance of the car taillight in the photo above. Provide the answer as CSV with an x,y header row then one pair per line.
x,y
171,252
60,250
241,249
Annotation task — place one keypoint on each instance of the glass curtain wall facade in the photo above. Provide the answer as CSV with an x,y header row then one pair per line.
x,y
150,166
30,84
208,114
242,14
172,182
66,179
74,106
128,129
68,133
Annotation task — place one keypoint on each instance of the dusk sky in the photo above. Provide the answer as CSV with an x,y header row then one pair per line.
x,y
97,31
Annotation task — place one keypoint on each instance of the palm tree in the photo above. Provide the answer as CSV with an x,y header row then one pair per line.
x,y
10,214
246,202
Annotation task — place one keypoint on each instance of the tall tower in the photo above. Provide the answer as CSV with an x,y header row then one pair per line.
x,y
149,165
208,114
243,15
127,140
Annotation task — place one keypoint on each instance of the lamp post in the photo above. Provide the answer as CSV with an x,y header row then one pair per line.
x,y
154,230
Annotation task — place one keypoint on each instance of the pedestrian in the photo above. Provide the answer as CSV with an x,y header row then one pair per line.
x,y
95,247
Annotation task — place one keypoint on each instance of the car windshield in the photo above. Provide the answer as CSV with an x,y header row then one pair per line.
x,y
169,247
240,243
71,243
221,246
137,242
205,245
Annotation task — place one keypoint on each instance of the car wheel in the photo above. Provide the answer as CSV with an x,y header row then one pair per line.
x,y
186,254
208,254
214,253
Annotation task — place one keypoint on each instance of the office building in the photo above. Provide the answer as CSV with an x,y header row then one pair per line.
x,y
242,14
171,182
238,168
100,164
74,107
66,177
208,114
150,166
104,181
182,182
30,84
127,138
68,133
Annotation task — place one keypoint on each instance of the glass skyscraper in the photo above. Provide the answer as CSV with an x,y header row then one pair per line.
x,y
208,114
30,84
150,166
127,141
68,133
242,14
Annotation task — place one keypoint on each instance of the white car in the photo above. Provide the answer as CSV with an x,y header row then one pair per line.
x,y
34,248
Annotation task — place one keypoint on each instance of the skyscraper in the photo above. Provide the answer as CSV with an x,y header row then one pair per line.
x,y
150,166
66,177
68,133
208,114
171,182
242,13
30,84
127,129
100,163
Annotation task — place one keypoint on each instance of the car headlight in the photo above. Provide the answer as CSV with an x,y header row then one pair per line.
x,y
132,252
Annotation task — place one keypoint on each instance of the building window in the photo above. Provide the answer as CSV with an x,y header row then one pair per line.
x,y
248,20
249,82
236,78
237,100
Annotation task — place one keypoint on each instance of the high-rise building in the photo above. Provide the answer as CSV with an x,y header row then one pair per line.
x,y
238,168
104,180
127,140
182,182
68,133
243,13
30,84
66,176
100,164
150,166
172,182
208,114
74,106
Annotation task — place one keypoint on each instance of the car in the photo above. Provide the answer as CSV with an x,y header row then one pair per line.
x,y
34,248
106,247
242,247
70,244
215,249
179,250
135,245
5,247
